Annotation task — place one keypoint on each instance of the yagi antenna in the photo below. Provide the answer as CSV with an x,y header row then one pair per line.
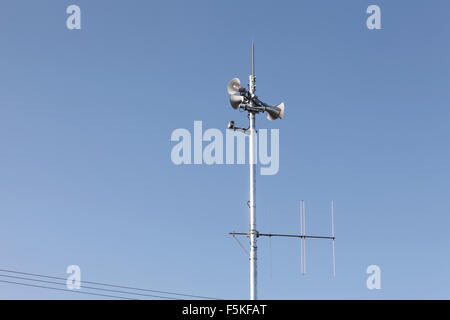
x,y
332,242
303,236
302,240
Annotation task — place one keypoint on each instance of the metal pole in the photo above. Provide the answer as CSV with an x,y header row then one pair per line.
x,y
252,155
253,232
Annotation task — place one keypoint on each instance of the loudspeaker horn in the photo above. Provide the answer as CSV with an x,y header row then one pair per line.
x,y
275,112
236,101
234,86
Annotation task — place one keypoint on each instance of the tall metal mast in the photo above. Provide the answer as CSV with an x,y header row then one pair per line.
x,y
253,233
243,99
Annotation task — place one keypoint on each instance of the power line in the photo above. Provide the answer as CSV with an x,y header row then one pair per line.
x,y
92,288
66,290
109,285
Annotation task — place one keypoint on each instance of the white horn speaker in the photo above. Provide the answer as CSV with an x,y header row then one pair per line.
x,y
236,101
234,86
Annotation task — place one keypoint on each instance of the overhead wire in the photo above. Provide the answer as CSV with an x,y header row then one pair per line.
x,y
86,287
112,285
66,290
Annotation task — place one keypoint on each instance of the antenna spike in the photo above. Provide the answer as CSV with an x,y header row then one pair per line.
x,y
301,237
270,239
304,238
253,59
252,85
332,242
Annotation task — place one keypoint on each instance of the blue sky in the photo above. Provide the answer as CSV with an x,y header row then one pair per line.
x,y
85,124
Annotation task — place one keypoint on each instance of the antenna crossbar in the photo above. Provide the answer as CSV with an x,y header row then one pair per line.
x,y
283,235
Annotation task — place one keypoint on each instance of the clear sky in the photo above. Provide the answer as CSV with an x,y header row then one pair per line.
x,y
86,118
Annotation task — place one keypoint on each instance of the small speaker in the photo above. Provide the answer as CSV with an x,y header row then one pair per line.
x,y
275,112
236,101
234,86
